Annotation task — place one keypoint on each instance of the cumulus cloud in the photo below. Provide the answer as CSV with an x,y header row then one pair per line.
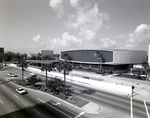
x,y
74,3
66,42
36,38
108,43
140,35
87,33
87,19
138,39
57,6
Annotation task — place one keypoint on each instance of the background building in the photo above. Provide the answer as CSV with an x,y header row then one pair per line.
x,y
1,54
47,52
113,59
149,54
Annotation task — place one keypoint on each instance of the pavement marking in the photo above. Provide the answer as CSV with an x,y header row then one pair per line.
x,y
146,109
1,101
16,96
131,107
79,114
37,112
54,108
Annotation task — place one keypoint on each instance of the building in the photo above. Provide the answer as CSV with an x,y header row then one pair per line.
x,y
149,54
1,54
113,59
47,52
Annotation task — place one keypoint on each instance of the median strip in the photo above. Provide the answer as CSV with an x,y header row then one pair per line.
x,y
54,108
79,115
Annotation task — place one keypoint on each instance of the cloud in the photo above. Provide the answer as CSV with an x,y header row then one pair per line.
x,y
138,39
87,19
87,33
36,38
66,42
74,3
57,6
140,35
108,43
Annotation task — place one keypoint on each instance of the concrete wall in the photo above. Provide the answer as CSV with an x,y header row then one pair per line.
x,y
129,57
149,54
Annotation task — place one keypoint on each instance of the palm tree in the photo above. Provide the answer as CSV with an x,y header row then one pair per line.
x,y
146,68
66,67
46,67
22,62
100,59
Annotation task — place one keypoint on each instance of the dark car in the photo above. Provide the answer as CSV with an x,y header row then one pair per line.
x,y
86,77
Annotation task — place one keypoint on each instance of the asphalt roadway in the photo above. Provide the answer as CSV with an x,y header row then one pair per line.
x,y
112,105
32,105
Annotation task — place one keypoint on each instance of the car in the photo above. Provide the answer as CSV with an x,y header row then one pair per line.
x,y
32,73
86,77
21,91
12,75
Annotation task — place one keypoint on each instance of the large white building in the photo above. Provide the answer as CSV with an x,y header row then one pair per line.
x,y
149,54
114,59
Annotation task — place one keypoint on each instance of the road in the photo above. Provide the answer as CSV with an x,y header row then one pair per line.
x,y
112,105
32,105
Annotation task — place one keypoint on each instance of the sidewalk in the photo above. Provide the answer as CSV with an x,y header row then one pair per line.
x,y
142,87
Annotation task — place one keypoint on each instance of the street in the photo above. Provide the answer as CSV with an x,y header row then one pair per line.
x,y
31,105
112,105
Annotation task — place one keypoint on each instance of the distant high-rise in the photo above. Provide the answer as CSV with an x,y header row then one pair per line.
x,y
47,52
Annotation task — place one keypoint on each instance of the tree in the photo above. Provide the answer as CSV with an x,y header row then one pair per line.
x,y
23,64
66,67
100,59
46,67
146,68
56,85
33,79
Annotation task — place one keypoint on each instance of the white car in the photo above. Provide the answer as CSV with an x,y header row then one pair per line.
x,y
32,73
21,91
12,75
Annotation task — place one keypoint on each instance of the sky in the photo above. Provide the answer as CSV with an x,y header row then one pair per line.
x,y
29,26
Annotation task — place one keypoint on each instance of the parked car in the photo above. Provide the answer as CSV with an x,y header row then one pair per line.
x,y
86,77
21,91
32,73
12,75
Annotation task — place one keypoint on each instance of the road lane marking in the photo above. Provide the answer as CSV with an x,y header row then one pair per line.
x,y
54,108
1,101
79,115
131,107
37,112
16,96
146,109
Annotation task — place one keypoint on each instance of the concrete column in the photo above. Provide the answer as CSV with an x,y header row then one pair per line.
x,y
149,54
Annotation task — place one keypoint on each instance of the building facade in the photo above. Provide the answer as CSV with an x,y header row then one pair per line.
x,y
112,59
47,52
1,54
